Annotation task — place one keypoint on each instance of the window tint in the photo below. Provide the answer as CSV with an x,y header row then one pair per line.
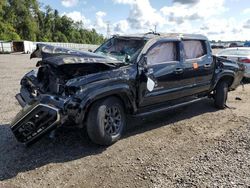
x,y
163,52
194,49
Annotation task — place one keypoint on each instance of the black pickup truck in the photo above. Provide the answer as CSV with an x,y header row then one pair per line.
x,y
136,74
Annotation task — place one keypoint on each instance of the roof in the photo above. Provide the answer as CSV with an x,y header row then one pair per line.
x,y
152,35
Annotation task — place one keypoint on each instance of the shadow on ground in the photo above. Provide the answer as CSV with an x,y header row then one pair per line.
x,y
72,144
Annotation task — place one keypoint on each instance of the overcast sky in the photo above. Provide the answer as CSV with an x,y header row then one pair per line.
x,y
217,19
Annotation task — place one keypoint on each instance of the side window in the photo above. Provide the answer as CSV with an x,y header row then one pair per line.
x,y
194,48
163,52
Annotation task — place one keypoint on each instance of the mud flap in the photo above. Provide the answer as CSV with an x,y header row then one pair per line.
x,y
33,121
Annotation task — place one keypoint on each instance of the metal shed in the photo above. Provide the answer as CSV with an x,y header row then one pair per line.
x,y
6,46
23,46
29,46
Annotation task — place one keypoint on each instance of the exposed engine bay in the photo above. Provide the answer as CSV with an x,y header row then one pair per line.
x,y
45,91
58,66
51,78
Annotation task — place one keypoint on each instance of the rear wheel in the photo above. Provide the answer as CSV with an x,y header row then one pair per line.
x,y
220,96
106,121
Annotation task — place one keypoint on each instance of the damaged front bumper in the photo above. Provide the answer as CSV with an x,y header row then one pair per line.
x,y
37,118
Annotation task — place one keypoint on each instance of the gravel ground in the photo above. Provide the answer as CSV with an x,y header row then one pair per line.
x,y
197,146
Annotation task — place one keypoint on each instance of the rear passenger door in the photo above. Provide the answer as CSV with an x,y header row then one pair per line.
x,y
198,65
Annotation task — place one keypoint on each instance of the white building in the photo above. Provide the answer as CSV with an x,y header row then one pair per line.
x,y
29,46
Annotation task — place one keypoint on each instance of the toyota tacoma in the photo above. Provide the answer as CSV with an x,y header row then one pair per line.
x,y
136,74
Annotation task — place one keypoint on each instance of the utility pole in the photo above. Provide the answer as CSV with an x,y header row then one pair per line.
x,y
155,27
108,29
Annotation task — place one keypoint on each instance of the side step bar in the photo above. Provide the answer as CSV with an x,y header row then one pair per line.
x,y
168,107
32,122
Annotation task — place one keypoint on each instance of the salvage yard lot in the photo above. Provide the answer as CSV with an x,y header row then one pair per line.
x,y
196,146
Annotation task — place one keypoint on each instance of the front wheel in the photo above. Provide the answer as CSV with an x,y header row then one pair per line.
x,y
106,121
220,95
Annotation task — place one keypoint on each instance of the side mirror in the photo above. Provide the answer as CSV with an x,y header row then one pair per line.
x,y
144,62
90,50
127,58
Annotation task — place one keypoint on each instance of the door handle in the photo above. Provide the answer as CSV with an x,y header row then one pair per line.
x,y
178,71
207,65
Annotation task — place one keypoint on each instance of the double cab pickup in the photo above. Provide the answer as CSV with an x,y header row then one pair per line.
x,y
137,74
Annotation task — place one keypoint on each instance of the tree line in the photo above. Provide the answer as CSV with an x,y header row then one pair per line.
x,y
25,20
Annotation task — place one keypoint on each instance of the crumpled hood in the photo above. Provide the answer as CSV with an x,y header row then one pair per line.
x,y
60,56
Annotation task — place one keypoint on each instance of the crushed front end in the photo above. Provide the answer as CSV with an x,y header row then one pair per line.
x,y
47,97
43,100
41,113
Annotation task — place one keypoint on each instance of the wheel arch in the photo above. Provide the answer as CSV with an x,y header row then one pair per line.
x,y
227,77
122,93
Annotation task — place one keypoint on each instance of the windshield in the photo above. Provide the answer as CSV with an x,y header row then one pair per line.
x,y
122,49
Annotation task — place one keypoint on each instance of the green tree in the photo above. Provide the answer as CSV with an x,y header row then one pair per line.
x,y
2,6
24,19
59,37
7,32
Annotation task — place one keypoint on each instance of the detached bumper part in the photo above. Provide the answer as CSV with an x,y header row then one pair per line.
x,y
20,100
32,122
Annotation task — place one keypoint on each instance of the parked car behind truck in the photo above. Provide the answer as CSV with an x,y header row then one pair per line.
x,y
240,55
137,75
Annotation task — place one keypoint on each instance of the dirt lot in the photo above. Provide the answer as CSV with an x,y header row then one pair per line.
x,y
197,146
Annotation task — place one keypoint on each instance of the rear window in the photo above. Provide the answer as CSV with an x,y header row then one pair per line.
x,y
194,48
244,52
235,52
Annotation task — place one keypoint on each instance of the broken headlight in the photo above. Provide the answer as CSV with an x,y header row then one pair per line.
x,y
71,90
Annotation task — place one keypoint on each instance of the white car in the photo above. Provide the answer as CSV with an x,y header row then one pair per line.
x,y
240,55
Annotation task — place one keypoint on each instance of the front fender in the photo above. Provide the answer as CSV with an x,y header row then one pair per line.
x,y
122,90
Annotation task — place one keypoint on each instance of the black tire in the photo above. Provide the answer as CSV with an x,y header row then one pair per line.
x,y
220,95
106,121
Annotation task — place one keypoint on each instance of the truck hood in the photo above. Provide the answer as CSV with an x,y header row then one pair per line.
x,y
59,56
